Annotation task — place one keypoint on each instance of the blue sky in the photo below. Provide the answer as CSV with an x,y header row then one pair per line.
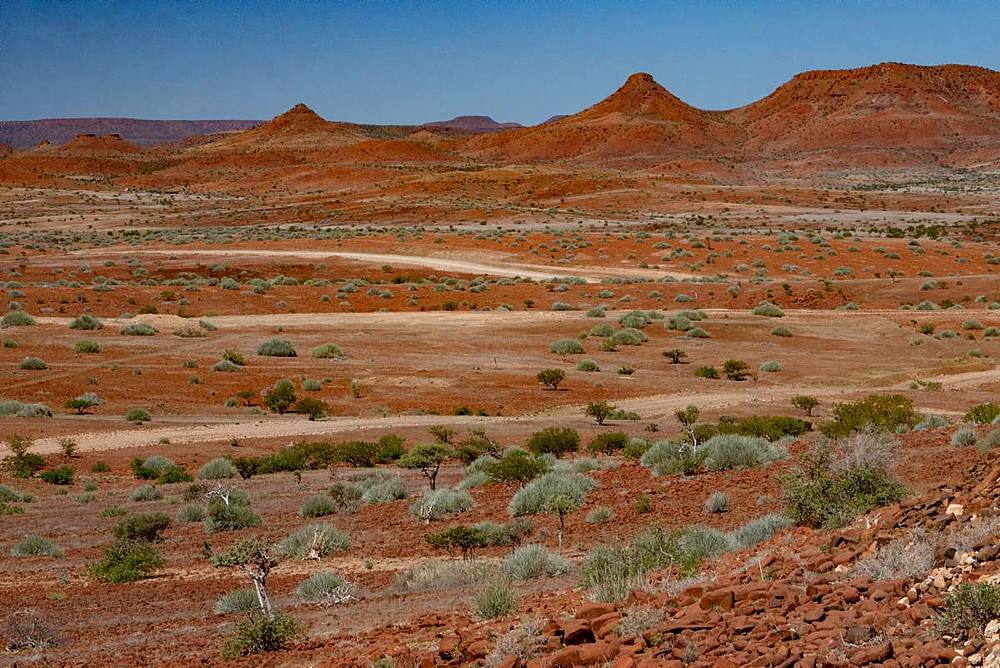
x,y
409,62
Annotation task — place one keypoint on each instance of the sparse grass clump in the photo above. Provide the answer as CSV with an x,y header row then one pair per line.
x,y
318,506
734,451
36,546
87,347
529,562
717,502
498,599
327,588
314,541
441,503
145,493
243,599
381,487
138,329
964,437
566,347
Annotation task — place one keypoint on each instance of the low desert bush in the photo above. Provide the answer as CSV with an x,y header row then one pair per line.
x,y
600,515
276,348
261,634
126,561
327,351
717,502
138,329
239,600
964,437
144,527
566,347
529,562
969,608
734,451
381,487
314,541
556,441
219,468
33,364
36,546
327,588
86,347
441,503
320,505
498,599
146,493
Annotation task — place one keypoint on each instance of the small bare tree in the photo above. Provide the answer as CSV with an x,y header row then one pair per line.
x,y
688,418
256,559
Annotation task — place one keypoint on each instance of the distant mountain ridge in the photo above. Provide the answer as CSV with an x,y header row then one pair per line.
x,y
25,134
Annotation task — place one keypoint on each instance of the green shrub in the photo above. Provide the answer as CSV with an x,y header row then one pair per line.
x,y
17,318
588,366
146,493
609,442
706,372
225,366
9,494
516,465
556,441
314,541
823,493
602,330
697,333
86,347
276,348
219,468
145,527
85,321
33,364
566,347
887,413
138,329
441,503
137,415
628,337
20,409
346,497
261,634
781,331
240,600
969,608
990,441
770,366
36,546
530,562
327,350
235,515
769,310
60,476
126,561
983,413
496,600
699,543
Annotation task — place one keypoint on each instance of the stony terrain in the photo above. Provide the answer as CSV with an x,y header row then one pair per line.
x,y
748,359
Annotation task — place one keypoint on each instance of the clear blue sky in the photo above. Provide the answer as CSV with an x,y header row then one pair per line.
x,y
407,62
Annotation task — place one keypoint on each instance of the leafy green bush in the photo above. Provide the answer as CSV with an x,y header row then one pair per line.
x,y
769,310
144,527
86,347
496,600
888,413
983,413
137,415
126,561
261,634
553,493
969,608
609,442
556,441
516,465
36,546
770,366
327,350
33,364
232,517
781,331
59,476
279,397
276,348
707,372
628,337
314,541
17,318
588,366
825,493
